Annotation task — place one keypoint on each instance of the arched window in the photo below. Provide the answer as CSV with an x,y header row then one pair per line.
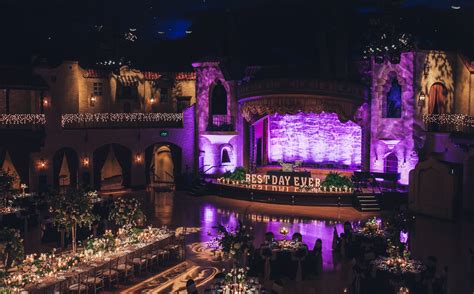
x,y
218,99
438,97
225,158
391,163
393,101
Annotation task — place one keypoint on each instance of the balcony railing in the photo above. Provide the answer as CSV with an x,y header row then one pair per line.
x,y
449,123
21,121
221,123
121,120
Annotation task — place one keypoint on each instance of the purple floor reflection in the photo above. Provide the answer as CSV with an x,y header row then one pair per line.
x,y
188,211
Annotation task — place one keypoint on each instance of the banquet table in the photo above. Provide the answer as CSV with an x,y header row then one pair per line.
x,y
66,277
390,275
284,257
250,286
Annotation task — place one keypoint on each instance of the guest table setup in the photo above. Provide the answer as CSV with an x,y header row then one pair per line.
x,y
236,281
397,269
44,271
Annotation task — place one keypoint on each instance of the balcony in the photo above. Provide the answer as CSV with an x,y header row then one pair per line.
x,y
22,121
121,120
221,123
449,123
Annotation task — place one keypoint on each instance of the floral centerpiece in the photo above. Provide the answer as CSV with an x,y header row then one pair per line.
x,y
336,180
70,209
237,275
126,212
398,261
12,250
372,229
232,241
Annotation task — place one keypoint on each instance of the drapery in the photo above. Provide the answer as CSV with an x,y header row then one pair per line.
x,y
10,168
437,99
111,167
64,172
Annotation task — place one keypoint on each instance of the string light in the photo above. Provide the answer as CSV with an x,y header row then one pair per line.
x,y
90,118
22,119
456,121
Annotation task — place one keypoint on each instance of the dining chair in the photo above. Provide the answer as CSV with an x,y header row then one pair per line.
x,y
139,260
125,268
111,273
95,280
152,256
78,284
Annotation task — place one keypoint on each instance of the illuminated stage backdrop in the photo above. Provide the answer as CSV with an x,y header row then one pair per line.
x,y
314,138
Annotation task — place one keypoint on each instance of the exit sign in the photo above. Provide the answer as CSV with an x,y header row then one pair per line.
x,y
164,134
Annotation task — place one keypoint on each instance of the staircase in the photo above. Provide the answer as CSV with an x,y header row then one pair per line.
x,y
367,202
199,187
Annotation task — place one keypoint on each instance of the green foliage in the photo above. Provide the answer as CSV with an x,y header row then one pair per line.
x,y
334,179
126,212
238,174
12,250
71,208
6,180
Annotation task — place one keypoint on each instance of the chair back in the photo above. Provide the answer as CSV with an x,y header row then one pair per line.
x,y
297,237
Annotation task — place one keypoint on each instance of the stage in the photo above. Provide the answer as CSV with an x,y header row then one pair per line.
x,y
287,193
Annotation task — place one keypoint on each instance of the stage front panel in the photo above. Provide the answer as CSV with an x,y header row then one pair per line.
x,y
314,138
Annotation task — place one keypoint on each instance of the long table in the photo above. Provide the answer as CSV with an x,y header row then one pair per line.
x,y
49,283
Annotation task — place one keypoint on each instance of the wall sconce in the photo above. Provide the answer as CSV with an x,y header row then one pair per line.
x,y
85,161
45,102
92,100
152,100
42,163
422,96
138,158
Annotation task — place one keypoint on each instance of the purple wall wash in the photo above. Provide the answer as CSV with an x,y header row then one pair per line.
x,y
314,138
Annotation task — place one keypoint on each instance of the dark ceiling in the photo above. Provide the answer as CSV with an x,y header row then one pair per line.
x,y
171,34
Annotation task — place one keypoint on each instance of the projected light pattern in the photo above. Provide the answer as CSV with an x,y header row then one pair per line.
x,y
314,138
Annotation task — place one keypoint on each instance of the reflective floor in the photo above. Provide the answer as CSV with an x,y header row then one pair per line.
x,y
448,241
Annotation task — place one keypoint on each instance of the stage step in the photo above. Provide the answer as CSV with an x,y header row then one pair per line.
x,y
367,202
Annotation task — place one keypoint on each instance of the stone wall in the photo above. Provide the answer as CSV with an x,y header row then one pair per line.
x,y
394,135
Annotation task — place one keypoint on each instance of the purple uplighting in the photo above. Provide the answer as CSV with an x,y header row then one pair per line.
x,y
314,138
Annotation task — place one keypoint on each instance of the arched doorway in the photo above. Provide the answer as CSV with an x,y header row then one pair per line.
x,y
438,97
65,168
218,103
391,164
163,163
112,167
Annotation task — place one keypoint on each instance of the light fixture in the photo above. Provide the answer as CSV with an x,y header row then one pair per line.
x,y
152,100
42,164
45,102
85,161
422,96
138,158
92,100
